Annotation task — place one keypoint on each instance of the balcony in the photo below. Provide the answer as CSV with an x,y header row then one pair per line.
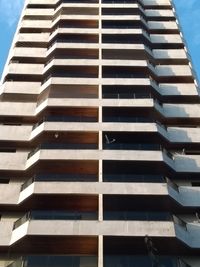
x,y
164,25
176,54
15,133
88,184
184,135
174,70
41,24
128,37
55,261
13,161
175,89
160,13
55,215
159,158
70,11
186,111
63,46
33,12
72,71
187,196
61,81
120,2
18,109
133,95
64,146
63,2
126,51
25,69
134,178
59,178
143,261
65,62
116,12
21,88
73,38
130,146
166,38
40,38
121,24
116,32
130,119
87,127
77,17
87,34
89,228
31,54
65,119
109,72
134,66
137,216
164,3
9,193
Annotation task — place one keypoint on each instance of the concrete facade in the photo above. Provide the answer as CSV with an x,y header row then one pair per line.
x,y
99,138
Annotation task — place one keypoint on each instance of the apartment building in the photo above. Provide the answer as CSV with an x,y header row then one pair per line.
x,y
99,138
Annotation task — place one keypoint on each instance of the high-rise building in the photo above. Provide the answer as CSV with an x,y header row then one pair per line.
x,y
99,138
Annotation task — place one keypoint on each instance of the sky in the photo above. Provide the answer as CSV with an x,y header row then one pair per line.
x,y
188,12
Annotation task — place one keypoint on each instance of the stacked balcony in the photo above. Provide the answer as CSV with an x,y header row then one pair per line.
x,y
99,138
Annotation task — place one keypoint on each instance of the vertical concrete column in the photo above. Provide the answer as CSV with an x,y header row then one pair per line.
x,y
100,93
100,237
100,76
100,50
100,80
100,115
100,251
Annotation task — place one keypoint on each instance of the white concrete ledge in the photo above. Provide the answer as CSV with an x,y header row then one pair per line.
x,y
93,228
101,188
21,88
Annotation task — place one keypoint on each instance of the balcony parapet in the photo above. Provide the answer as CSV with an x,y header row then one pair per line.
x,y
93,228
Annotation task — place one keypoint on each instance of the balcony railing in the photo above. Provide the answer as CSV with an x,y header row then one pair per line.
x,y
70,119
168,154
106,39
118,12
72,73
33,152
143,261
16,263
64,119
162,125
93,119
112,26
75,1
127,96
120,75
119,2
137,216
59,178
131,146
91,261
28,182
75,39
55,261
127,119
22,220
180,222
61,146
172,185
55,215
139,178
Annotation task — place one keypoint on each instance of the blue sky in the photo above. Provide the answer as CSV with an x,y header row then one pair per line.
x,y
187,10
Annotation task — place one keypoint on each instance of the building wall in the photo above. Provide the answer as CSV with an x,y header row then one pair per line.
x,y
99,138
